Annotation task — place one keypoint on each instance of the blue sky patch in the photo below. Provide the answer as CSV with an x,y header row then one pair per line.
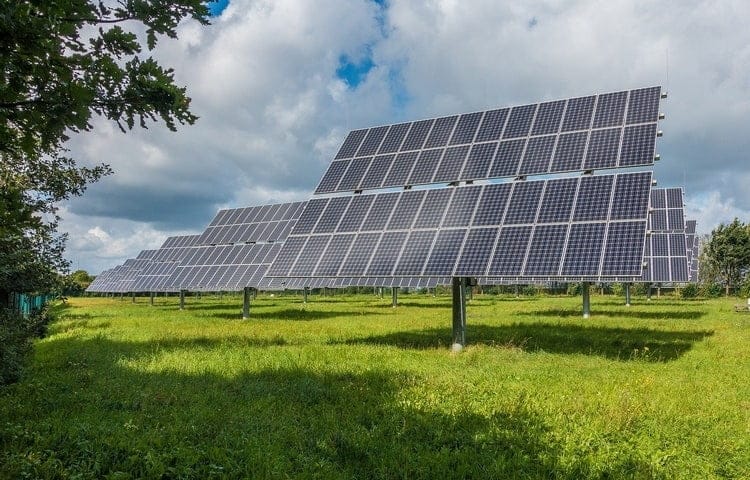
x,y
216,7
354,73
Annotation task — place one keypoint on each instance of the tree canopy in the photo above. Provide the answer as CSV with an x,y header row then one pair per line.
x,y
727,253
61,63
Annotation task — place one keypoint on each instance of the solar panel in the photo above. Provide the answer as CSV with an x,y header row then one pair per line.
x,y
609,130
586,227
667,255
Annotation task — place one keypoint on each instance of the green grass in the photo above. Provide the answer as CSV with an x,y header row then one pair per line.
x,y
348,387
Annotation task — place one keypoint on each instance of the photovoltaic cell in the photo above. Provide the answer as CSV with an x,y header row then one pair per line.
x,y
372,141
491,207
610,109
548,118
384,259
584,250
524,203
603,149
545,251
332,214
406,210
310,256
355,215
359,254
444,252
451,164
417,135
578,114
519,122
415,253
376,173
462,207
512,245
557,201
426,165
310,216
593,198
569,152
466,128
623,254
331,261
636,149
400,170
643,105
476,251
394,138
479,161
380,212
332,176
538,155
507,159
351,144
492,125
631,192
441,132
433,208
354,174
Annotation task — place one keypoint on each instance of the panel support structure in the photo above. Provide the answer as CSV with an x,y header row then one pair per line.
x,y
459,313
151,298
627,294
132,296
585,289
246,303
182,299
394,295
304,295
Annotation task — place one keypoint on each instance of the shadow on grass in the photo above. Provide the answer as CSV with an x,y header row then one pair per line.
x,y
258,312
613,343
624,313
278,422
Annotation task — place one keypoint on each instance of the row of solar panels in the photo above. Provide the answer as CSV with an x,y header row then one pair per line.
x,y
186,263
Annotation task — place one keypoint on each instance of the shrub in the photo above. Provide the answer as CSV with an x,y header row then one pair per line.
x,y
16,335
689,291
711,290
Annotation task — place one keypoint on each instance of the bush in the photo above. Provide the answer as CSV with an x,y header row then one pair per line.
x,y
16,335
689,291
711,290
574,289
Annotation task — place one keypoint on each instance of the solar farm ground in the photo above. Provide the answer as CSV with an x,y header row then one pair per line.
x,y
347,387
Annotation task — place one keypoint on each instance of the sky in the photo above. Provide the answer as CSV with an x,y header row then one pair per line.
x,y
278,84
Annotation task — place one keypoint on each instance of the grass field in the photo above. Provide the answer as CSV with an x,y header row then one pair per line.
x,y
348,387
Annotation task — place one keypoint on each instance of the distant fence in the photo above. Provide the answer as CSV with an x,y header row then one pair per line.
x,y
27,304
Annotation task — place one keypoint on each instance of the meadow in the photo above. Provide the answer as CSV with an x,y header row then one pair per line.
x,y
346,386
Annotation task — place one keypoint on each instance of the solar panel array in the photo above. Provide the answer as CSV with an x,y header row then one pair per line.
x,y
582,227
236,248
611,130
693,249
666,251
164,261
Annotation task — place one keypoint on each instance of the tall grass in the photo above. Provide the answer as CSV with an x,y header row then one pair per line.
x,y
349,387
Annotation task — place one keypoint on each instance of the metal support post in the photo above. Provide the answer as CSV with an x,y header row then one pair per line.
x,y
585,286
198,295
304,295
627,294
246,303
394,294
151,298
648,293
182,299
459,313
132,296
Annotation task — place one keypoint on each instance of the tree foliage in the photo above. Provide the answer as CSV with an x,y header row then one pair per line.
x,y
727,254
61,63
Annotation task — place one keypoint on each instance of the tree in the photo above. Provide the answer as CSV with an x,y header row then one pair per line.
x,y
62,62
727,253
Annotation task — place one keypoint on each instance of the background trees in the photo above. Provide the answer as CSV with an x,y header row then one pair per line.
x,y
61,63
726,255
